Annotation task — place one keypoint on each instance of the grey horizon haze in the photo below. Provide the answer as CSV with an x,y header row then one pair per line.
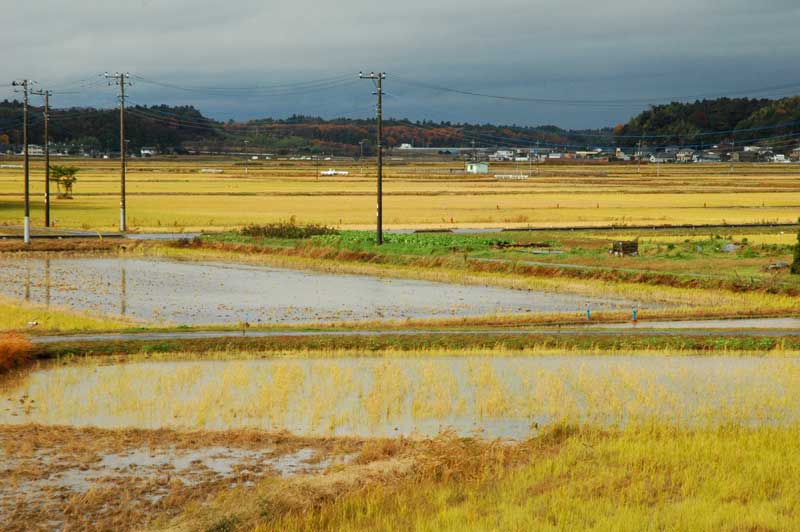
x,y
625,53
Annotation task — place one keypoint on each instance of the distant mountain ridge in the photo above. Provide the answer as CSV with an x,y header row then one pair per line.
x,y
181,128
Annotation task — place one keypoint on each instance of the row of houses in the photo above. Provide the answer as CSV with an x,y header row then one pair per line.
x,y
667,155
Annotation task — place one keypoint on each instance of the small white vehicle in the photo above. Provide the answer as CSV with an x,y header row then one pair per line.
x,y
332,172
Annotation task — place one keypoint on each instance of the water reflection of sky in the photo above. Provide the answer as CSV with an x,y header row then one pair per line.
x,y
165,291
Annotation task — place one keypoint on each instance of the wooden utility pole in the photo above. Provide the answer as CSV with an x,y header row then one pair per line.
x,y
378,77
122,79
26,230
639,159
46,95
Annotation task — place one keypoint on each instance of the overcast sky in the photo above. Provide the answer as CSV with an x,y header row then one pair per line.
x,y
624,53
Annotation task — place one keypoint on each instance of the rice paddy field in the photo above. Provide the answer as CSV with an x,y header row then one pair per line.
x,y
438,382
179,194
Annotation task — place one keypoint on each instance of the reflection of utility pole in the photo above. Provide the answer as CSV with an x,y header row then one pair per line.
x,y
46,95
27,281
26,231
123,292
47,282
378,78
122,79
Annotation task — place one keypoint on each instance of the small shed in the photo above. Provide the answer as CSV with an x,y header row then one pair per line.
x,y
621,248
477,168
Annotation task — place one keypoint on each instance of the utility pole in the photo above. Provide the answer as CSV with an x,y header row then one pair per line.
x,y
530,161
26,231
122,79
246,142
361,157
378,78
639,159
46,95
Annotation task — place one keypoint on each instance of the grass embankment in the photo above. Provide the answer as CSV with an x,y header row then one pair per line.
x,y
695,261
730,478
490,344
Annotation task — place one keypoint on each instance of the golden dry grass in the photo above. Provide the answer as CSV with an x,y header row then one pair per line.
x,y
658,478
21,316
172,195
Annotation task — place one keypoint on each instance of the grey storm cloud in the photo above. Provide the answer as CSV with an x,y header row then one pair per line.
x,y
625,53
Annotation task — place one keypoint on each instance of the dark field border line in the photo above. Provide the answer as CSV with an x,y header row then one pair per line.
x,y
544,333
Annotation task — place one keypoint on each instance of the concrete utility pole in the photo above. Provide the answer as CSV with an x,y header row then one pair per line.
x,y
25,84
121,79
361,156
378,77
46,95
246,142
639,159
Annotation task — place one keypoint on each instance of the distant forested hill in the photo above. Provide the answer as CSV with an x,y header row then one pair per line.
x,y
186,128
161,126
739,120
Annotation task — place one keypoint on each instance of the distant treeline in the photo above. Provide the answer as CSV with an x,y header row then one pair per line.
x,y
161,126
184,128
706,122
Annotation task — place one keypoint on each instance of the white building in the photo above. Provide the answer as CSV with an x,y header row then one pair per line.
x,y
477,168
34,150
503,155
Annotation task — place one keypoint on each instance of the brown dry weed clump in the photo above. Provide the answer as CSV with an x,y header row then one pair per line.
x,y
15,352
96,479
382,464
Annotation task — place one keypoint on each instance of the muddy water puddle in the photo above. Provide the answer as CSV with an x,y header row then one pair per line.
x,y
165,291
506,397
61,478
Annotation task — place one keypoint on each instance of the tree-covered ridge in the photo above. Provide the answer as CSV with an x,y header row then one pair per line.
x,y
162,126
184,127
700,123
706,122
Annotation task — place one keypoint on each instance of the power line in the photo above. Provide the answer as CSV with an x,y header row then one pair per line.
x,y
278,89
579,102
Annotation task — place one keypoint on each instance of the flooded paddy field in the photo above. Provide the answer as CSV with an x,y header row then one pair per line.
x,y
496,397
172,292
95,444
